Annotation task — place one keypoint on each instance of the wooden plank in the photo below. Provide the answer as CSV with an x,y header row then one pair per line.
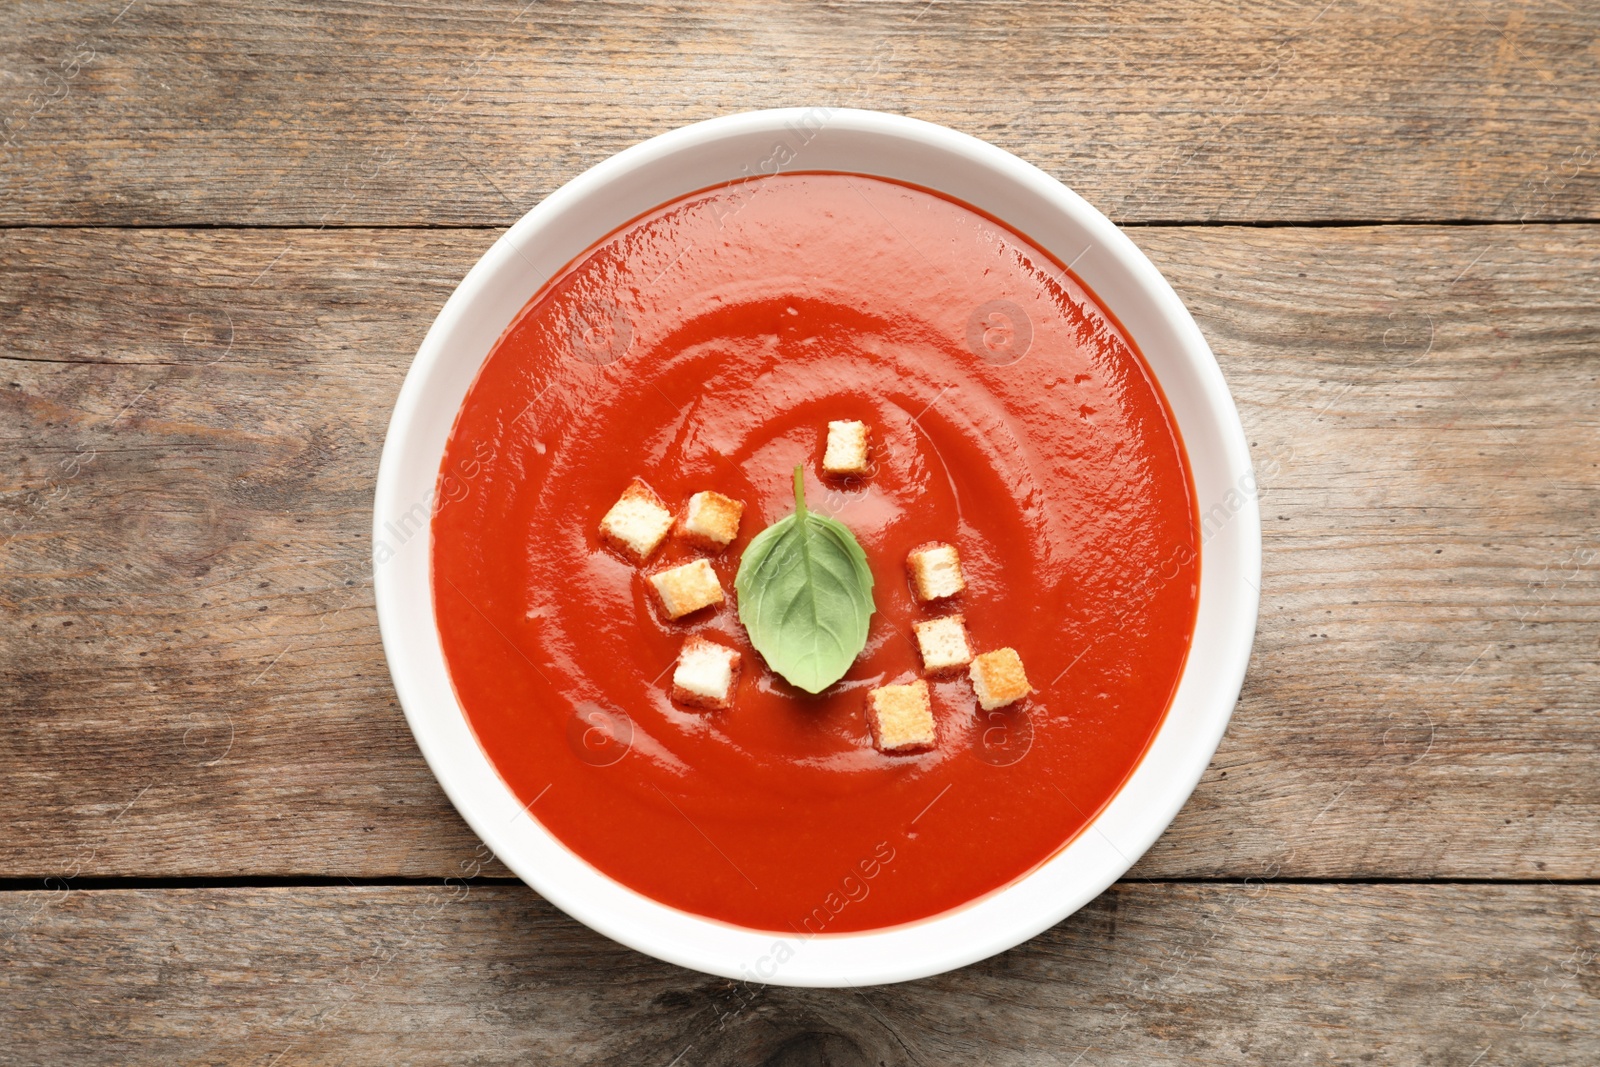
x,y
378,113
1157,974
193,678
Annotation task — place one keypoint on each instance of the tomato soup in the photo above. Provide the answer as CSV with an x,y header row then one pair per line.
x,y
706,346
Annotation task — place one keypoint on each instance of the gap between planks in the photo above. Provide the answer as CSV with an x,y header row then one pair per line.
x,y
1144,224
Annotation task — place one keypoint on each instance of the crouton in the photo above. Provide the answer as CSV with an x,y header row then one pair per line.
x,y
943,644
706,674
711,520
901,717
935,569
998,679
687,588
636,523
846,453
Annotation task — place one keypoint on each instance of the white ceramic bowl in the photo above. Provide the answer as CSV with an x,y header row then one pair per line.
x,y
864,142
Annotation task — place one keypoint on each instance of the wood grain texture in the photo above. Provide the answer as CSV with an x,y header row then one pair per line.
x,y
194,684
351,113
1150,974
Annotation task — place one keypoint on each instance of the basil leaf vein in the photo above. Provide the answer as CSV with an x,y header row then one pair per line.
x,y
805,596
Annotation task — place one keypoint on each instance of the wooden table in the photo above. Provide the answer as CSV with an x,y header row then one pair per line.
x,y
226,228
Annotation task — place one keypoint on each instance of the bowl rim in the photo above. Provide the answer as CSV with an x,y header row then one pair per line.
x,y
528,253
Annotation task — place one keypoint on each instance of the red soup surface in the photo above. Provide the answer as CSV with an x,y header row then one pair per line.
x,y
706,346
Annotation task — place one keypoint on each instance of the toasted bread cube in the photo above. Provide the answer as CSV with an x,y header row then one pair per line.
x,y
636,523
706,674
687,588
998,679
935,569
711,520
943,644
846,453
901,717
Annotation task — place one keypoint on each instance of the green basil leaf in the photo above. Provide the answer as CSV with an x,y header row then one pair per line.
x,y
805,596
